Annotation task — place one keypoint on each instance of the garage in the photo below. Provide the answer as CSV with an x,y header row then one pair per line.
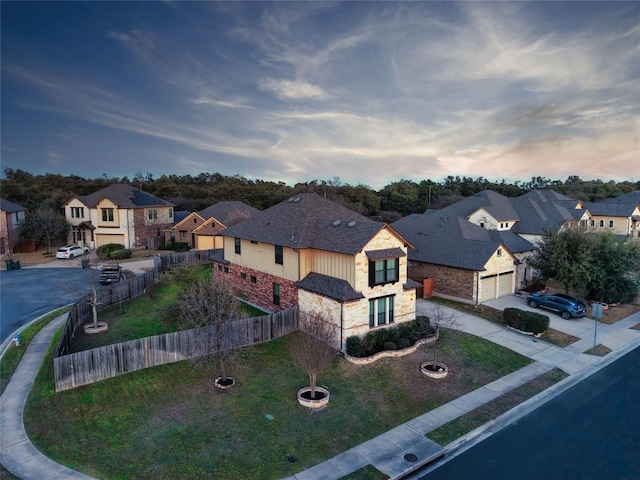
x,y
505,284
103,239
204,242
488,287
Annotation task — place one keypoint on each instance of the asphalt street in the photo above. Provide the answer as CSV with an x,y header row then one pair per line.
x,y
28,293
591,431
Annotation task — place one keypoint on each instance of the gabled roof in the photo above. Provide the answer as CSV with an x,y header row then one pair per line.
x,y
541,209
630,197
308,220
180,215
497,205
124,196
611,209
224,211
448,240
10,207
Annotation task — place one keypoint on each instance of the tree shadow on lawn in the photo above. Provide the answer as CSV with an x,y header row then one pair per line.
x,y
169,422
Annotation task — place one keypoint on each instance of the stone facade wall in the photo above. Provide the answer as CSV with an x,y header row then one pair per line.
x,y
260,292
455,282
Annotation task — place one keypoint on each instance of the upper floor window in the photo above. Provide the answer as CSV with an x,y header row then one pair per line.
x,y
610,223
384,271
499,252
279,255
77,212
237,247
171,213
152,214
107,214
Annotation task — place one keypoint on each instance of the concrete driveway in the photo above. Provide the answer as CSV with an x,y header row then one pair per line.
x,y
575,326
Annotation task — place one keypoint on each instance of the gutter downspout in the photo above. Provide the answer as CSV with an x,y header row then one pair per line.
x,y
341,324
477,288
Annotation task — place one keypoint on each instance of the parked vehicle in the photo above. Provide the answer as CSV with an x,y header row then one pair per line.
x,y
71,251
568,307
111,274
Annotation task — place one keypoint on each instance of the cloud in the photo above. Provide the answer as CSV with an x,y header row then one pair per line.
x,y
295,90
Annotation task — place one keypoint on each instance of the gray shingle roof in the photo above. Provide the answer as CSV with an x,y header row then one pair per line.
x,y
494,203
630,197
124,196
222,211
331,287
447,240
308,220
612,209
10,207
541,209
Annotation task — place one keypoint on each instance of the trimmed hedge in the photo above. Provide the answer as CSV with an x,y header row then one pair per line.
x,y
120,254
525,321
104,251
396,337
177,246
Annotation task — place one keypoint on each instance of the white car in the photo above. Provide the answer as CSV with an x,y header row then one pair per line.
x,y
71,251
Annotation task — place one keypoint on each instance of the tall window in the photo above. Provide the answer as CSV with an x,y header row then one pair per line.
x,y
276,294
601,223
107,214
77,212
171,213
279,255
384,271
237,246
381,311
610,223
152,214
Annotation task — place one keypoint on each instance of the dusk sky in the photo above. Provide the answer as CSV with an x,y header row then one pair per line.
x,y
368,92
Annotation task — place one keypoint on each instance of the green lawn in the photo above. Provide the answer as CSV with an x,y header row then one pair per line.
x,y
168,422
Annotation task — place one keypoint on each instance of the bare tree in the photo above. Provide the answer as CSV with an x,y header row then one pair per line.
x,y
236,217
441,321
210,304
43,224
313,347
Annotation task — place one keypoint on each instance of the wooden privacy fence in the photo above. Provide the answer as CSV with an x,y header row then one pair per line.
x,y
80,313
90,366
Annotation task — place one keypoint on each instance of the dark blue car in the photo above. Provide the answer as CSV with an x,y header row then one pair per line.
x,y
568,307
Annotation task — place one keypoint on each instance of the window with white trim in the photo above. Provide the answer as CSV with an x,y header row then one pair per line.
x,y
381,311
107,214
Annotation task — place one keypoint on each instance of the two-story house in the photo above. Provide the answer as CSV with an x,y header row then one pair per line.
x,y
327,259
11,215
201,229
119,214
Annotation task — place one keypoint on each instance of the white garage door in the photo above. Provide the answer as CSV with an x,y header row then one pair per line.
x,y
488,288
103,239
505,286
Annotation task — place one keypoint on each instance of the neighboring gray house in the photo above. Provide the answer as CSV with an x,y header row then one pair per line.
x,y
462,260
620,215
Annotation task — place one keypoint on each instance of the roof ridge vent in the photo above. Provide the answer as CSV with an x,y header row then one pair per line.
x,y
351,224
336,223
296,199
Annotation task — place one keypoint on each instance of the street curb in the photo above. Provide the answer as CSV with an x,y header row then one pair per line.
x,y
483,432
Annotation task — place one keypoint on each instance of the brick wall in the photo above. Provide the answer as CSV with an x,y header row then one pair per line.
x,y
260,292
456,282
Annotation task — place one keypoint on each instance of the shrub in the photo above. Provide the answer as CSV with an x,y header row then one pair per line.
x,y
354,346
403,343
104,251
525,321
120,254
390,346
179,246
536,285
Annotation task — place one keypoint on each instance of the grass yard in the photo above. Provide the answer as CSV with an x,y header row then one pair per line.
x,y
168,422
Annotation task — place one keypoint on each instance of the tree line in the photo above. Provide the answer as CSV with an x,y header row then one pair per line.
x,y
195,192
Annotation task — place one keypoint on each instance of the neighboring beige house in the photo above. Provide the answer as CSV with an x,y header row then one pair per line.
x,y
120,214
11,215
460,260
328,260
619,215
201,230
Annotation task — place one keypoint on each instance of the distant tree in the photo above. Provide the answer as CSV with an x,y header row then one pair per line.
x,y
564,255
44,225
211,305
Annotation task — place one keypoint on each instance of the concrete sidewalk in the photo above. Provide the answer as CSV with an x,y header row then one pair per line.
x,y
396,453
